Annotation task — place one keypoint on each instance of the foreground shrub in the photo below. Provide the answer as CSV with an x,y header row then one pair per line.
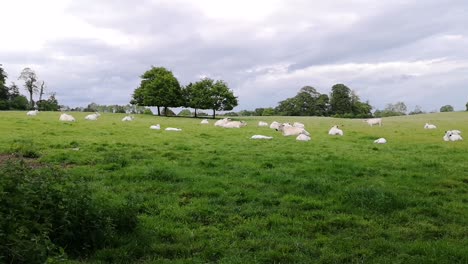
x,y
45,214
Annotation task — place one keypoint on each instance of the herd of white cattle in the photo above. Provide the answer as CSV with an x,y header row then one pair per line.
x,y
287,129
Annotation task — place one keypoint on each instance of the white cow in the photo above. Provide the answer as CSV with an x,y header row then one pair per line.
x,y
335,131
93,117
221,122
274,125
297,124
292,131
455,132
204,122
262,124
234,124
66,118
173,129
128,118
260,137
156,127
303,137
450,136
380,141
374,121
32,113
429,126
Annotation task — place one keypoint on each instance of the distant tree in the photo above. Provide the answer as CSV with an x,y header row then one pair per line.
x,y
259,111
4,91
397,109
340,99
268,112
322,105
51,104
41,91
360,109
417,110
446,108
92,107
246,113
16,100
197,95
466,106
288,107
158,88
30,78
185,112
221,98
231,114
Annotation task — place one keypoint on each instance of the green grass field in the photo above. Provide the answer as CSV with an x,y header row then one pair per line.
x,y
213,195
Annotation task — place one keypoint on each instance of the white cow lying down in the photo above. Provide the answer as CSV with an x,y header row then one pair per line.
x,y
297,124
262,124
173,129
335,131
380,141
93,117
450,136
221,122
66,118
260,137
204,122
374,121
274,125
429,126
128,118
292,131
234,124
156,127
303,137
32,113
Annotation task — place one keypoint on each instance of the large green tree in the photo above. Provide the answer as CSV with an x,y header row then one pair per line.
x,y
340,100
30,78
221,98
197,95
446,108
158,88
4,92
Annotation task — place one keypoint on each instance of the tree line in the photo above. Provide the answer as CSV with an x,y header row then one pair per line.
x,y
160,88
11,99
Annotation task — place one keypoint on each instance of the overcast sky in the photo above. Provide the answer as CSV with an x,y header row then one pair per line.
x,y
266,50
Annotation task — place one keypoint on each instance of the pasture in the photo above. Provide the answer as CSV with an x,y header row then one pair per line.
x,y
213,195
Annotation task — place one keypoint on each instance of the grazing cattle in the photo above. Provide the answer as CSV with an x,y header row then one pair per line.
x,y
93,117
380,141
374,121
292,131
274,125
335,131
303,137
204,122
429,126
450,136
262,124
66,118
156,127
221,122
32,113
297,124
234,124
173,129
128,118
260,137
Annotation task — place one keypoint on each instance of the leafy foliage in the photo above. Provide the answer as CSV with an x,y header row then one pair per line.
x,y
158,87
44,213
446,108
30,78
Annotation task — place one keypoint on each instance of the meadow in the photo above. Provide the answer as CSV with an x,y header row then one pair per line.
x,y
213,195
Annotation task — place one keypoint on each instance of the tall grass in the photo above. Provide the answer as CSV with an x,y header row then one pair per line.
x,y
213,195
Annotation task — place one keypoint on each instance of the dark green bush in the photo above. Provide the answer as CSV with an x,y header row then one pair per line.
x,y
45,214
24,148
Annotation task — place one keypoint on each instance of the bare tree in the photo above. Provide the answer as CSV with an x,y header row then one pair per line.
x,y
29,77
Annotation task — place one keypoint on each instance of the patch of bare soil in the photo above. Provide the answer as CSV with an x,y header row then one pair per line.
x,y
33,163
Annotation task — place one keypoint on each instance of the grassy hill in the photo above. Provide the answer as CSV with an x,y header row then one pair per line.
x,y
209,194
